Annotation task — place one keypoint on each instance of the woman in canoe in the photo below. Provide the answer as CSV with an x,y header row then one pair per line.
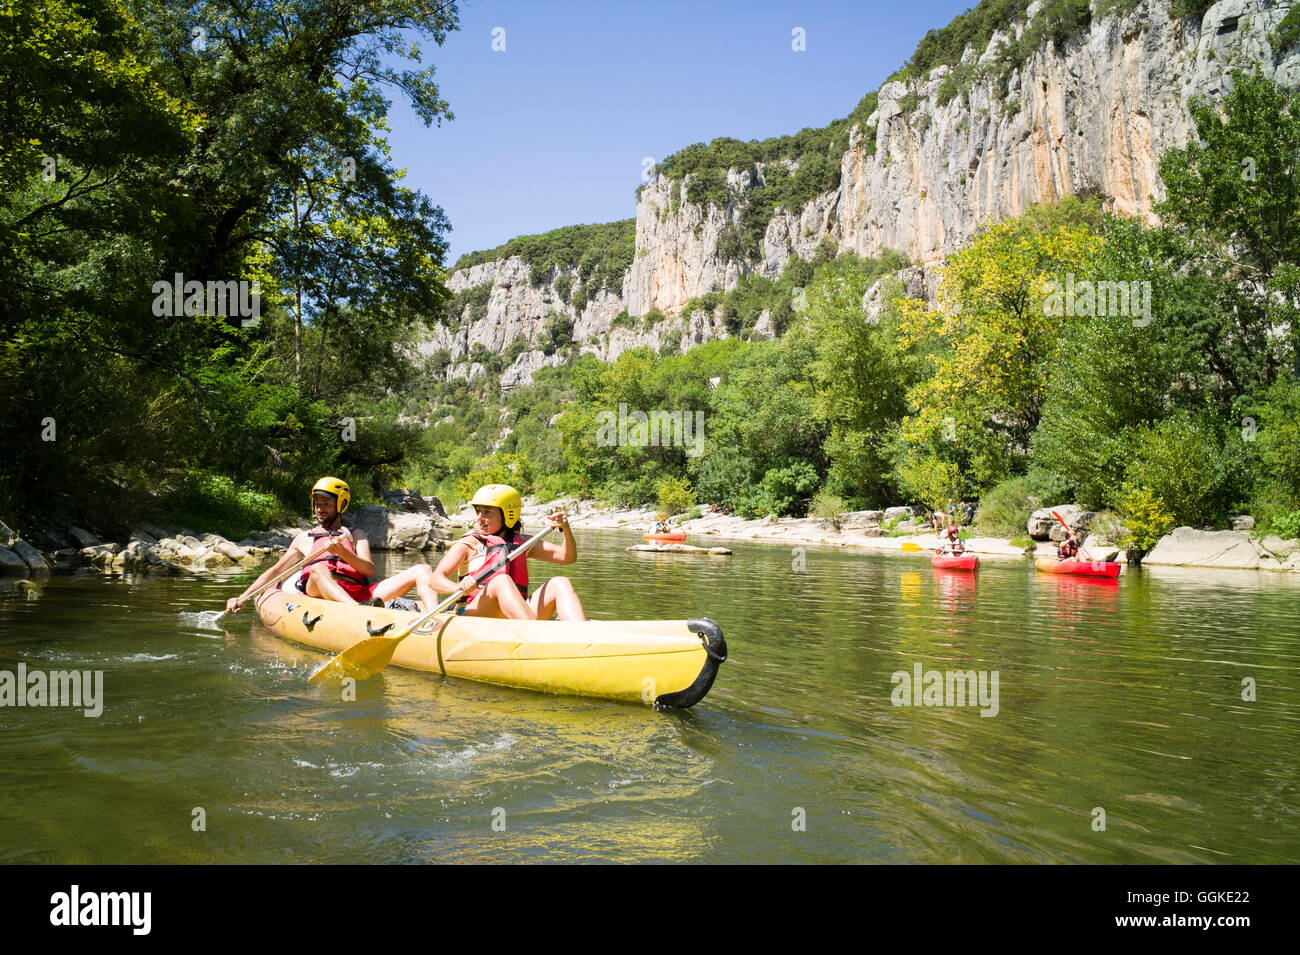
x,y
498,530
952,547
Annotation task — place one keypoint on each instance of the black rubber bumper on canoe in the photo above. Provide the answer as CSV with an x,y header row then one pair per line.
x,y
715,649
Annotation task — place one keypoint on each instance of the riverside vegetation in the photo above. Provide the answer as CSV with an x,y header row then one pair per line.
x,y
115,414
1181,410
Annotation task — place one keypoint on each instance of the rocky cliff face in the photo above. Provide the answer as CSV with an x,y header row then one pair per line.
x,y
1091,118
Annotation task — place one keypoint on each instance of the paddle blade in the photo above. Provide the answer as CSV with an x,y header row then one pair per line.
x,y
911,547
360,661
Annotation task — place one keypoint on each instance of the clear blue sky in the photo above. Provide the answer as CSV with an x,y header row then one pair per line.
x,y
552,131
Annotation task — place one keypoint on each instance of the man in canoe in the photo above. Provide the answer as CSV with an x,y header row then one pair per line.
x,y
341,567
497,530
661,524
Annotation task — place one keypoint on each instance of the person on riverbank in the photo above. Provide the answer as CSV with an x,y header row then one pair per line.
x,y
341,567
498,529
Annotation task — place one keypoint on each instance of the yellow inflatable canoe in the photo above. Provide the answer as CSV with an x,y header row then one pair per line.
x,y
670,663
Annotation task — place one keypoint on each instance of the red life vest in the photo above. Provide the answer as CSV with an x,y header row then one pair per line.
x,y
489,545
337,565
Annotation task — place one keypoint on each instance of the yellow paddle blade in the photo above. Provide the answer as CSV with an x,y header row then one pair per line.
x,y
909,546
360,661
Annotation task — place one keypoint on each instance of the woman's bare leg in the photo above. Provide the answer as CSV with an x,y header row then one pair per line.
x,y
420,577
501,598
557,596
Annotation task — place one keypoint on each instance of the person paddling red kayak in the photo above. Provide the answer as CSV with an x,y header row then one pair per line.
x,y
1069,561
952,555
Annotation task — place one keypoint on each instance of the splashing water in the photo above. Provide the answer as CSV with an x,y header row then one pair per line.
x,y
202,619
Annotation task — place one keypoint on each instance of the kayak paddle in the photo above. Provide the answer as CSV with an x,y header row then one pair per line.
x,y
283,574
367,657
1083,550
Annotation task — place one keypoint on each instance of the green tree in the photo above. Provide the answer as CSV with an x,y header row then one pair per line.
x,y
173,156
1115,373
1233,203
860,380
989,347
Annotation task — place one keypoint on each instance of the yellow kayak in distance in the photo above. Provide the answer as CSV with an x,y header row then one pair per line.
x,y
670,663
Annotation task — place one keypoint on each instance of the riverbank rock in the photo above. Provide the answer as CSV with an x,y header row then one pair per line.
x,y
11,563
66,558
1078,522
1241,522
32,557
83,537
1043,526
1186,546
899,514
1099,548
1280,547
412,502
397,530
862,522
233,551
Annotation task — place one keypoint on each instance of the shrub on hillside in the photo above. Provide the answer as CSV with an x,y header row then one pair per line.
x,y
828,507
674,495
1146,516
783,491
1286,525
1185,463
211,502
1004,511
512,469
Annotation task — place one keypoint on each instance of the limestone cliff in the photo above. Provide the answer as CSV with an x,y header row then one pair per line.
x,y
1090,118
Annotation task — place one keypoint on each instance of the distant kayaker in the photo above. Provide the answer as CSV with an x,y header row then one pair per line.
x,y
661,525
1068,549
342,568
498,530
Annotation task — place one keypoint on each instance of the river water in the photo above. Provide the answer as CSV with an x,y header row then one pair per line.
x,y
1121,730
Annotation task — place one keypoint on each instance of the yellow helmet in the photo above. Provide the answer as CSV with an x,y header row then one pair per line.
x,y
502,496
340,490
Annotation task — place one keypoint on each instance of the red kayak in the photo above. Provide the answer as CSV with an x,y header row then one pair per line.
x,y
675,538
1079,568
959,562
